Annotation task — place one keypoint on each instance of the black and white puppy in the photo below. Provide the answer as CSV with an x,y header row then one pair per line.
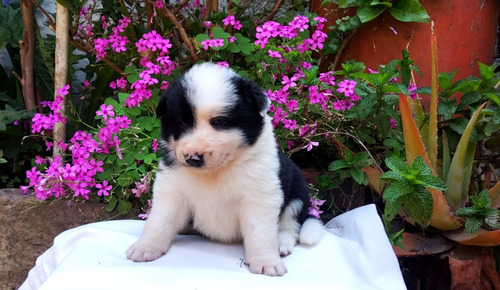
x,y
222,170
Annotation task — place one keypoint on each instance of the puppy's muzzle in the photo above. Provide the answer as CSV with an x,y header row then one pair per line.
x,y
194,160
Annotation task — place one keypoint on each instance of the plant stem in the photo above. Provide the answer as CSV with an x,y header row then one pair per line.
x,y
182,32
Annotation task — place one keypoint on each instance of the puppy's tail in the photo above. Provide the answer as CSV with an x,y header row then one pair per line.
x,y
311,232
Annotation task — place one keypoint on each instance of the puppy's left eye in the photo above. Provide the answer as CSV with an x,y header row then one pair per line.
x,y
219,122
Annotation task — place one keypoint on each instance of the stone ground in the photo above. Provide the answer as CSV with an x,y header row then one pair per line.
x,y
28,227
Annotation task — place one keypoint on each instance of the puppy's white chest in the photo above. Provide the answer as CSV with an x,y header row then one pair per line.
x,y
217,216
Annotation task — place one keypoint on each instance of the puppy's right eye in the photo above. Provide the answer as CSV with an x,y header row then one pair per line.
x,y
180,124
219,122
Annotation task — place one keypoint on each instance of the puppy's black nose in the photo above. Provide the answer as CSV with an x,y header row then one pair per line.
x,y
195,160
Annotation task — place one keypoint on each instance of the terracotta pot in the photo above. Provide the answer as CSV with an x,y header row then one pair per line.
x,y
466,32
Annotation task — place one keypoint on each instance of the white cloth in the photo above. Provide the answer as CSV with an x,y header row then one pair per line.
x,y
355,254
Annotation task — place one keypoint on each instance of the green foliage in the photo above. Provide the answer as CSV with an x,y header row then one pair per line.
x,y
350,167
366,11
396,239
11,27
473,91
408,189
479,213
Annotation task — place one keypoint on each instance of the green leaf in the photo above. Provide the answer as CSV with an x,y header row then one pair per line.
x,y
325,183
396,239
433,182
124,206
447,108
397,190
337,165
472,224
11,26
395,88
200,37
445,80
428,201
397,165
409,11
419,167
113,201
150,158
359,176
218,32
369,13
122,97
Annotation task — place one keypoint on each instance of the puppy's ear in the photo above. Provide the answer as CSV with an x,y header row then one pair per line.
x,y
172,90
252,92
161,109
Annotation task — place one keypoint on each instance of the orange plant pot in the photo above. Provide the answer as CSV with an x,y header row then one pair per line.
x,y
466,32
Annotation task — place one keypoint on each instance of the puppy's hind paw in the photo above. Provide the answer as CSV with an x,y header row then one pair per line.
x,y
272,269
144,253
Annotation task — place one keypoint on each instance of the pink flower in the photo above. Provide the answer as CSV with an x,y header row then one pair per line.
x,y
103,188
145,215
159,3
314,208
291,105
229,20
207,23
206,43
412,89
218,42
288,82
164,85
222,64
155,145
274,54
105,111
310,145
393,123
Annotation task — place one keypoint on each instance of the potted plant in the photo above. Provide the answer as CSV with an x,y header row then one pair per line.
x,y
440,192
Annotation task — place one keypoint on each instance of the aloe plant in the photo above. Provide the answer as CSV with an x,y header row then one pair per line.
x,y
448,202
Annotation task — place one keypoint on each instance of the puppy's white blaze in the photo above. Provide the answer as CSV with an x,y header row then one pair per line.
x,y
218,148
209,87
311,232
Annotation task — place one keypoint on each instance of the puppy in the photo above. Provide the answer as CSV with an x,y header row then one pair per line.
x,y
222,171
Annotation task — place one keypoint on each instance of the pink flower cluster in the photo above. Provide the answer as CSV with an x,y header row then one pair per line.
x,y
142,187
155,63
79,175
153,41
272,29
115,40
211,43
84,25
295,89
44,123
314,208
231,20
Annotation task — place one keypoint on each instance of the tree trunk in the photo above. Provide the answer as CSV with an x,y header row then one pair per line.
x,y
27,52
61,70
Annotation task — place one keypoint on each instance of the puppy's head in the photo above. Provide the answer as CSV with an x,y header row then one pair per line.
x,y
209,116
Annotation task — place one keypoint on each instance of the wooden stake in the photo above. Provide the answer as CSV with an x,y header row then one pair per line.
x,y
61,71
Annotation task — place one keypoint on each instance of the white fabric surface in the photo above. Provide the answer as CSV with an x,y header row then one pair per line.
x,y
355,254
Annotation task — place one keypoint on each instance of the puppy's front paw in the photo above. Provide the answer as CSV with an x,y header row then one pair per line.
x,y
272,268
141,252
287,243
